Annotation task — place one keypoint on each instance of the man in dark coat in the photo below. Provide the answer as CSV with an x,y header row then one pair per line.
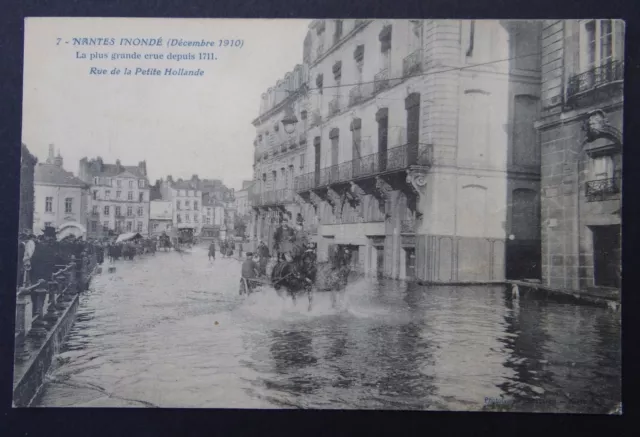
x,y
263,253
212,251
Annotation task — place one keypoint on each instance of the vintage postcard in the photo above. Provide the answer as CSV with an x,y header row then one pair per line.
x,y
323,214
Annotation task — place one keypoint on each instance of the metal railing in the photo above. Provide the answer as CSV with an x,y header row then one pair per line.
x,y
355,95
396,158
412,64
334,106
604,74
603,189
272,197
381,81
407,227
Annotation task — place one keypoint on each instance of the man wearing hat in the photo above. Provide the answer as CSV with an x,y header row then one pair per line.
x,y
250,271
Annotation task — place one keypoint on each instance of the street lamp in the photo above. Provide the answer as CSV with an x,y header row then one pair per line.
x,y
290,120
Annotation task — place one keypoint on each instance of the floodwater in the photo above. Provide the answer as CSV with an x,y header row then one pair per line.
x,y
171,330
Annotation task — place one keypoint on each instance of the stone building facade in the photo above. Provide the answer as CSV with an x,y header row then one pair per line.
x,y
27,169
119,200
423,159
186,198
279,155
61,199
581,140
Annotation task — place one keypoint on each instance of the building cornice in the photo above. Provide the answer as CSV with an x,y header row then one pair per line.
x,y
292,97
574,115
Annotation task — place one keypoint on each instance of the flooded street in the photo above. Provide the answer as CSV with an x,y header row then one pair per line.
x,y
171,330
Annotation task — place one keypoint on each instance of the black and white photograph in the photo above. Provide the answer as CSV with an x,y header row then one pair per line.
x,y
338,214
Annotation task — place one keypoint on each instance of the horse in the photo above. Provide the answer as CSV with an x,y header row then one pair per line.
x,y
303,275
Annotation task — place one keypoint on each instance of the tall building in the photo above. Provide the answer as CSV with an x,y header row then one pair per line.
x,y
242,205
581,139
279,155
60,199
186,197
27,190
423,158
119,200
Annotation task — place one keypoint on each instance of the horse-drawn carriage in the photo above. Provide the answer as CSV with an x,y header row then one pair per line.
x,y
301,274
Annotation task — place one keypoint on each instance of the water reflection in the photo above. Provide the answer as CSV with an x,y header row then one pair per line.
x,y
172,331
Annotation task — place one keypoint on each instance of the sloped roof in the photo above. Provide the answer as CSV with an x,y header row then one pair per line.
x,y
184,185
50,174
111,170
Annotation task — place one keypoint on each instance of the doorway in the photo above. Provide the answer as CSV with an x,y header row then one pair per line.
x,y
606,256
379,261
410,262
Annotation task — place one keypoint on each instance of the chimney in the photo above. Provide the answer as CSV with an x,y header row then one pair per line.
x,y
51,157
58,160
119,165
143,167
170,179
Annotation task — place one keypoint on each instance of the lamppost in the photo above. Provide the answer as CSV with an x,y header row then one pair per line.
x,y
290,120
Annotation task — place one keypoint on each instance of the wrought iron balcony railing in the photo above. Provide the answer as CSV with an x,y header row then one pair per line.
x,y
608,73
412,64
355,95
407,227
334,106
603,189
272,197
395,159
381,81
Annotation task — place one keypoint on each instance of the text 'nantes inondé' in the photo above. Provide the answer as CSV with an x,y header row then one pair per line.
x,y
149,56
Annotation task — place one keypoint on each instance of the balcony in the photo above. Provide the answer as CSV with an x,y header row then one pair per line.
x,y
407,227
603,189
272,198
334,106
606,79
381,81
95,214
320,51
412,64
394,160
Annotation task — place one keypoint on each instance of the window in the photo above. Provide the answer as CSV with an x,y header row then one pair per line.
x,y
95,181
130,184
140,197
140,211
195,204
106,210
602,167
119,183
141,183
177,204
105,226
107,194
338,32
139,226
597,39
130,195
186,204
94,210
207,220
179,218
95,194
94,226
155,226
68,205
118,194
186,218
129,226
195,218
118,212
48,204
47,224
109,182
129,211
302,161
191,193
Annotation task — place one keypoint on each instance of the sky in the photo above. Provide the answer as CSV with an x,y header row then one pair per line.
x,y
180,125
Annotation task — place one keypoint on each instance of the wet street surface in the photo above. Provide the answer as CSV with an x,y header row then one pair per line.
x,y
171,330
